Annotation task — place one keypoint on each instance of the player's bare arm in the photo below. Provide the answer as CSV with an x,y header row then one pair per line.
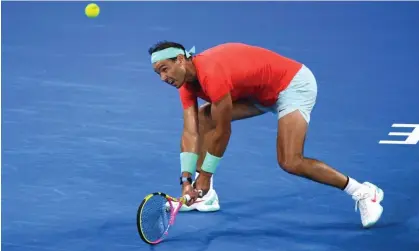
x,y
190,134
190,144
221,112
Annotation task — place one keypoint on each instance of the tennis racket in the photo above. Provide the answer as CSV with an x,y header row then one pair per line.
x,y
154,218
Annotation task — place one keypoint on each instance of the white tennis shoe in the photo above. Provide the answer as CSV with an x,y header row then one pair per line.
x,y
208,203
367,199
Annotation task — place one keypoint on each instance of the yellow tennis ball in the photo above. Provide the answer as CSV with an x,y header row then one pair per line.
x,y
92,10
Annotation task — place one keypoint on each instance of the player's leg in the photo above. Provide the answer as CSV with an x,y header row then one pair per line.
x,y
292,130
294,108
241,110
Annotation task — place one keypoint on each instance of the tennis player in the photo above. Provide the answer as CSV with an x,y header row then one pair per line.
x,y
241,81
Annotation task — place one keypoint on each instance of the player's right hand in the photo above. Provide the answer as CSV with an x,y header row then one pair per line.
x,y
188,189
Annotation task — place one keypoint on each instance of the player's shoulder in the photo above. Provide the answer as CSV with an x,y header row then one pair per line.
x,y
231,50
226,48
215,56
224,57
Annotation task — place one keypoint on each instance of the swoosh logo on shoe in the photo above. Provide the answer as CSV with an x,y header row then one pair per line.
x,y
375,197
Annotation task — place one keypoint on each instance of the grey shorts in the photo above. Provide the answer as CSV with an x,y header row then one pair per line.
x,y
300,95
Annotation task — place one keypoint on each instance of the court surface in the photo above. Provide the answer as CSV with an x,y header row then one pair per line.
x,y
89,129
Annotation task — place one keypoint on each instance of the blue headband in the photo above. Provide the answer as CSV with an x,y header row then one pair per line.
x,y
170,53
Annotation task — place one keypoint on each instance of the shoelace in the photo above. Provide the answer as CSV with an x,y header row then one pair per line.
x,y
358,197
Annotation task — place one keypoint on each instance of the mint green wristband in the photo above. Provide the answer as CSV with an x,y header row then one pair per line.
x,y
210,163
188,162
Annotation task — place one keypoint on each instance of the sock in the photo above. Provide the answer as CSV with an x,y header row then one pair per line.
x,y
212,178
352,186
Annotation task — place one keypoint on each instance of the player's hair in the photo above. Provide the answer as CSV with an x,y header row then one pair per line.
x,y
164,45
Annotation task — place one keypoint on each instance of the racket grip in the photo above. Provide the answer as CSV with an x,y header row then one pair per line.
x,y
187,197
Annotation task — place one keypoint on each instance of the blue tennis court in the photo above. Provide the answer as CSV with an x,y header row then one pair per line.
x,y
89,129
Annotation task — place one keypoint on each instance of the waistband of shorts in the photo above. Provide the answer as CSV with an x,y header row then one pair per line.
x,y
289,76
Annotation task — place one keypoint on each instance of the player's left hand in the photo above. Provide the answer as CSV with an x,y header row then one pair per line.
x,y
203,182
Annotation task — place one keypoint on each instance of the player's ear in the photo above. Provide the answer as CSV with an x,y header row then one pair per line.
x,y
180,58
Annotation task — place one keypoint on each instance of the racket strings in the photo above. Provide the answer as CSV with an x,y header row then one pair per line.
x,y
155,218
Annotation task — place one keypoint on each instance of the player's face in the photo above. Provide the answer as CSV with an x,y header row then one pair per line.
x,y
171,72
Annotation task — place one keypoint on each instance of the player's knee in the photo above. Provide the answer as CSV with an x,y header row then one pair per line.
x,y
291,164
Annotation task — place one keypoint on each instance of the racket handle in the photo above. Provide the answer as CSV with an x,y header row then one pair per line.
x,y
187,197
